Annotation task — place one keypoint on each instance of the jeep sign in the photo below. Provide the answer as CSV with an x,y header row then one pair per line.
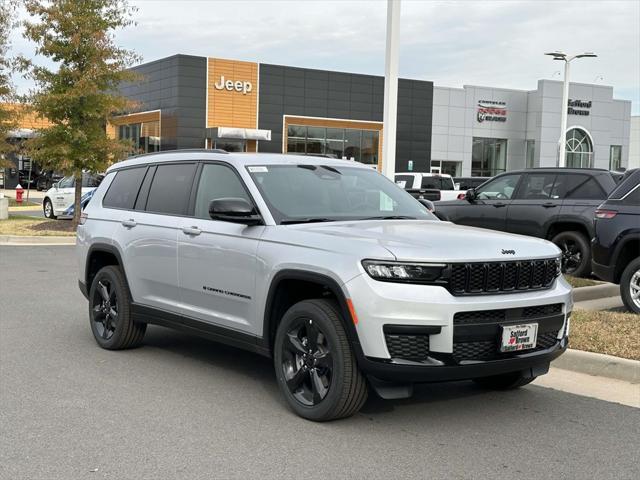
x,y
238,86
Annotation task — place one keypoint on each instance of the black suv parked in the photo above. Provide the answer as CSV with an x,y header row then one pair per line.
x,y
553,203
616,244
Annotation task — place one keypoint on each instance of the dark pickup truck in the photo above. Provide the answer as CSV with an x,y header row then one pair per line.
x,y
557,204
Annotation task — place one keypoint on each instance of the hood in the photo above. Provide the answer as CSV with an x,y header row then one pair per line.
x,y
433,241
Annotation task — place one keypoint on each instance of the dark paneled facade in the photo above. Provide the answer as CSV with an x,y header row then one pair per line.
x,y
318,93
177,87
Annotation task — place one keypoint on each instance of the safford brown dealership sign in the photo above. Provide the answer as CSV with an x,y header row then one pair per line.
x,y
578,107
492,111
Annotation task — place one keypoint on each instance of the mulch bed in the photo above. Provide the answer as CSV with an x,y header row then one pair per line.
x,y
54,226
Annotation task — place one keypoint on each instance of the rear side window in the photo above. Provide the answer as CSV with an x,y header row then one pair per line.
x,y
537,186
171,189
404,181
123,190
439,183
578,187
633,198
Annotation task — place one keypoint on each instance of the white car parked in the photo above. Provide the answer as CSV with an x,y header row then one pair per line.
x,y
60,197
431,181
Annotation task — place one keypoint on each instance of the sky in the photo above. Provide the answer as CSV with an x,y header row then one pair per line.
x,y
497,43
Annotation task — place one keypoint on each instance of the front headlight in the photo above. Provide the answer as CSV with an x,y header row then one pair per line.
x,y
404,272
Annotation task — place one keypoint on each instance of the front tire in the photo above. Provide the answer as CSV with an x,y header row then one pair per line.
x,y
630,286
110,311
576,253
315,367
47,208
507,381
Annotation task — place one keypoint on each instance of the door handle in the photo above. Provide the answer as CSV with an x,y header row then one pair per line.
x,y
549,205
129,223
191,231
498,205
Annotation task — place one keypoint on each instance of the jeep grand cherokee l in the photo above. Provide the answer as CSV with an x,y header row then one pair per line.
x,y
341,277
553,203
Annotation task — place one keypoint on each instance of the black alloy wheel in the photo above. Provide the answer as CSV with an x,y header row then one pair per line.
x,y
112,323
307,363
105,309
576,253
315,366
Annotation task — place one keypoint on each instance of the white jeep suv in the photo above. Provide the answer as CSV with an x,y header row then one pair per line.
x,y
341,277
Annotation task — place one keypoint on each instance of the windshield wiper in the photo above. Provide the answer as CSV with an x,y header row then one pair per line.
x,y
290,221
390,217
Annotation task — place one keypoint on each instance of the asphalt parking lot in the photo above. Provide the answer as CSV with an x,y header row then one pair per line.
x,y
184,408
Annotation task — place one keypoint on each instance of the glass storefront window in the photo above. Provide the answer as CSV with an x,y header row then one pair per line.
x,y
352,144
369,147
144,137
359,145
488,157
615,157
531,153
448,167
335,142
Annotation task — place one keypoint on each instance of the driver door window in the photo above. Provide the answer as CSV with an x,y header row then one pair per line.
x,y
499,189
217,181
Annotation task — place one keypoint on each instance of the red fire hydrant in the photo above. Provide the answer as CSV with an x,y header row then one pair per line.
x,y
19,192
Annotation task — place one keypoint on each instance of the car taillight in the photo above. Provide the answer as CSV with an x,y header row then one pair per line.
x,y
83,218
606,213
461,196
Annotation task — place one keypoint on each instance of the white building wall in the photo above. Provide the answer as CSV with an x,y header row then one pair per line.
x,y
634,143
531,115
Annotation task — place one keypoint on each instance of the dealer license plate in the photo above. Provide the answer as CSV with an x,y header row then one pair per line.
x,y
519,337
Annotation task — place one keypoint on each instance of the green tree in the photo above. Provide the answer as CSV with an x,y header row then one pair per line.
x,y
8,119
80,94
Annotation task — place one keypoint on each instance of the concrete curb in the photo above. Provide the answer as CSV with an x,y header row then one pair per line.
x,y
14,240
597,291
599,365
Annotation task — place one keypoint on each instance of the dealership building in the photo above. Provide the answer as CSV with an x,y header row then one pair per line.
x,y
194,102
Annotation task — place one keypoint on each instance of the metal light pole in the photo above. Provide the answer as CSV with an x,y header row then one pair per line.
x,y
390,116
562,142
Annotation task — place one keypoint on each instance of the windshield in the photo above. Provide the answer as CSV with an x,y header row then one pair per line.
x,y
310,193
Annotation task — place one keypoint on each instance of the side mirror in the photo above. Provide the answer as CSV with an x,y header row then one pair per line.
x,y
427,203
471,195
235,210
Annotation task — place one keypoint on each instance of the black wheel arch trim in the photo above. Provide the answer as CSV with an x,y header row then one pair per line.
x,y
103,248
568,220
309,276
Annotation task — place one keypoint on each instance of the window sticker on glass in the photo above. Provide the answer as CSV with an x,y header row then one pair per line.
x,y
260,169
386,203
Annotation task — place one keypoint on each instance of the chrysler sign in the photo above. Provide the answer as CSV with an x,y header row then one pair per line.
x,y
492,111
230,85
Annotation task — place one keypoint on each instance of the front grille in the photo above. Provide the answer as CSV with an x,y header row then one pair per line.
x,y
495,316
410,347
490,349
496,277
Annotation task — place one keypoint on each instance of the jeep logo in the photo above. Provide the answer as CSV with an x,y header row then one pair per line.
x,y
230,85
508,252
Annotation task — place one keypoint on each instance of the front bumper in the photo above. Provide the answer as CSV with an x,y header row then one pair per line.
x,y
443,369
383,303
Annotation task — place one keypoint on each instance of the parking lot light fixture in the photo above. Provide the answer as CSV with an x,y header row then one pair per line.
x,y
565,99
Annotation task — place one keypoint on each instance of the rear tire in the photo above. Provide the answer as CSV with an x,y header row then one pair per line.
x,y
315,367
110,311
47,208
507,381
630,286
576,253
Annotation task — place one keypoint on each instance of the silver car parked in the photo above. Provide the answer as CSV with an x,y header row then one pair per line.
x,y
327,267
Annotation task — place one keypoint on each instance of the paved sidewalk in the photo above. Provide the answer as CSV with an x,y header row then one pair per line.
x,y
602,388
607,303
